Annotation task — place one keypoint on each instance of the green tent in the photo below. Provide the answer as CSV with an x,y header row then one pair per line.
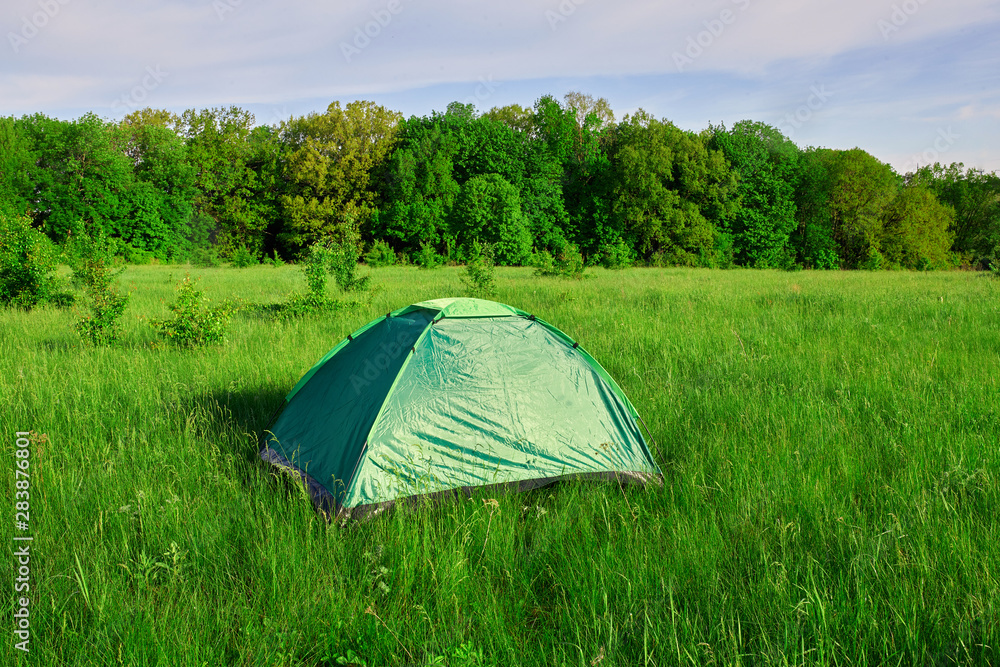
x,y
448,395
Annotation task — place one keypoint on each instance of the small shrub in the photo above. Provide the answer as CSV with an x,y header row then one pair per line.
x,y
428,258
380,254
275,260
241,258
451,251
874,260
995,268
342,262
617,255
479,275
101,326
566,263
826,259
315,269
27,265
194,323
543,262
205,258
786,260
96,273
137,255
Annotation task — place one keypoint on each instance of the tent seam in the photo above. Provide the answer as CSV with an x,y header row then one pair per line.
x,y
381,410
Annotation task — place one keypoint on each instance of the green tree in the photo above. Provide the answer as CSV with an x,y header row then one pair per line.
x,y
975,197
490,146
589,112
81,174
27,263
669,187
917,230
764,216
578,148
328,164
267,186
417,185
435,155
861,190
518,118
163,187
485,146
219,148
812,238
488,210
152,117
17,161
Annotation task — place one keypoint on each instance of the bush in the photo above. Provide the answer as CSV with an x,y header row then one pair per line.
x,y
194,324
566,263
616,255
543,262
428,258
204,257
826,259
315,269
342,262
786,260
101,326
137,255
874,260
275,260
94,269
479,275
380,254
241,258
27,263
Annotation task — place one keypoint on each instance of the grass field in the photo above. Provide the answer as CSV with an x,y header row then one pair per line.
x,y
829,443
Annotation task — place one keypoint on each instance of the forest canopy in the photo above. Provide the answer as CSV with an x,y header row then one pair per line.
x,y
526,180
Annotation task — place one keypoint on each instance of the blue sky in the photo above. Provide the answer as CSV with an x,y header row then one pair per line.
x,y
911,81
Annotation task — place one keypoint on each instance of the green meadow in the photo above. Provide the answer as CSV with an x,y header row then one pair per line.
x,y
828,442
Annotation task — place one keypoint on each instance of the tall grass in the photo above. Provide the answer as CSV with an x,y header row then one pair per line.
x,y
828,441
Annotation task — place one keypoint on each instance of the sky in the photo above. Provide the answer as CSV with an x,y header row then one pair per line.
x,y
911,81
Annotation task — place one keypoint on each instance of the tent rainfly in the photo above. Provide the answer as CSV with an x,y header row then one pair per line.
x,y
448,395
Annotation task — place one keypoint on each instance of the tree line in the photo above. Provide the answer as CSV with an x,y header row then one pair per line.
x,y
557,177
